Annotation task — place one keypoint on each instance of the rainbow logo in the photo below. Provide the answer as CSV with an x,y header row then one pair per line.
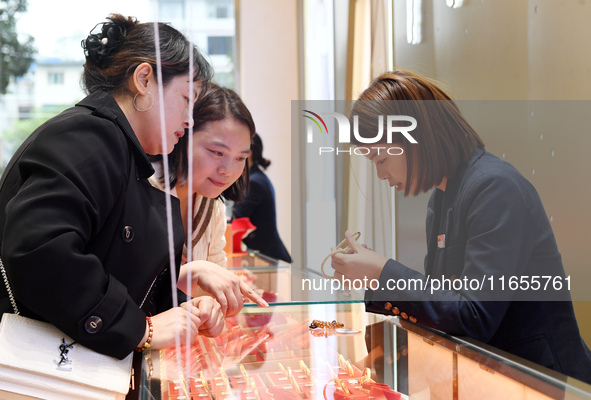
x,y
315,120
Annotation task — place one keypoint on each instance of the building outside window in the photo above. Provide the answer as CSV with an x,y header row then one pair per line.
x,y
220,45
55,78
220,9
210,24
170,10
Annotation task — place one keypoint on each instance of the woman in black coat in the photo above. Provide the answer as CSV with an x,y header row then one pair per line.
x,y
485,223
83,234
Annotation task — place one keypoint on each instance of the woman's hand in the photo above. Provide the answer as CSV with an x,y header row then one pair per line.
x,y
227,288
166,325
209,313
361,264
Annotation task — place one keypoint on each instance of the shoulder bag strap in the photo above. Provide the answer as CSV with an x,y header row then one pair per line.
x,y
5,278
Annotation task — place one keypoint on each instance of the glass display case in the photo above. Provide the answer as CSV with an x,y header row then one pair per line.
x,y
279,282
337,350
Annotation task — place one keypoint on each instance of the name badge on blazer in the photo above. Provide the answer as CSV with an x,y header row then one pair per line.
x,y
441,241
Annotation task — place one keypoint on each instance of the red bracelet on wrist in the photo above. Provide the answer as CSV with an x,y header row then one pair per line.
x,y
146,345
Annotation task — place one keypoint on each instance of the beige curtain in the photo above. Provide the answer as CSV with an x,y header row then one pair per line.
x,y
369,206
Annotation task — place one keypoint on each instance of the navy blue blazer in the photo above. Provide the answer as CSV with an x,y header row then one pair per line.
x,y
489,221
259,206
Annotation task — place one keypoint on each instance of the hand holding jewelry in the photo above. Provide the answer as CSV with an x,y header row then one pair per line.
x,y
338,249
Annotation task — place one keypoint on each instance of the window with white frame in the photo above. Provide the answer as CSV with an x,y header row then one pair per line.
x,y
55,78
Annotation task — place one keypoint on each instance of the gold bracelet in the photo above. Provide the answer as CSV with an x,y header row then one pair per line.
x,y
349,368
253,386
294,383
203,381
282,368
338,249
305,368
325,324
244,373
146,345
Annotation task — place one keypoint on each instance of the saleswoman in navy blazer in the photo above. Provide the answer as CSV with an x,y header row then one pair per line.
x,y
485,221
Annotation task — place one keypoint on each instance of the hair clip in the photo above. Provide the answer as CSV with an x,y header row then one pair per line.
x,y
104,41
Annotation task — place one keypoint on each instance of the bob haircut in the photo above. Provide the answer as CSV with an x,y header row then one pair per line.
x,y
445,140
215,104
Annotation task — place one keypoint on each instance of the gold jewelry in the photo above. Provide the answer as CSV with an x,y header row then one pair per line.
x,y
305,368
282,368
204,381
289,374
295,384
325,324
254,388
366,377
338,249
341,384
224,377
244,373
349,368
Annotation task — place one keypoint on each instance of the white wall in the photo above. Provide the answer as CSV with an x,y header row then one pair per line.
x,y
267,33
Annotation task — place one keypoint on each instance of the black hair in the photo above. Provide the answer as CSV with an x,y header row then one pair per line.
x,y
257,152
116,48
215,104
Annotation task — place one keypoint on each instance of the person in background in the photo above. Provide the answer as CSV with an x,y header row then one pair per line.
x,y
83,234
484,219
222,132
259,206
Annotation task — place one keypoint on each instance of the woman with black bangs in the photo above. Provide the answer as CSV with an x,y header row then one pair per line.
x,y
222,133
484,219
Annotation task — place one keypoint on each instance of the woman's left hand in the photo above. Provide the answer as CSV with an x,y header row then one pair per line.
x,y
209,313
227,288
361,264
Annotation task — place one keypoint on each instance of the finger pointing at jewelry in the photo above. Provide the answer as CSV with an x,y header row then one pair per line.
x,y
252,295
